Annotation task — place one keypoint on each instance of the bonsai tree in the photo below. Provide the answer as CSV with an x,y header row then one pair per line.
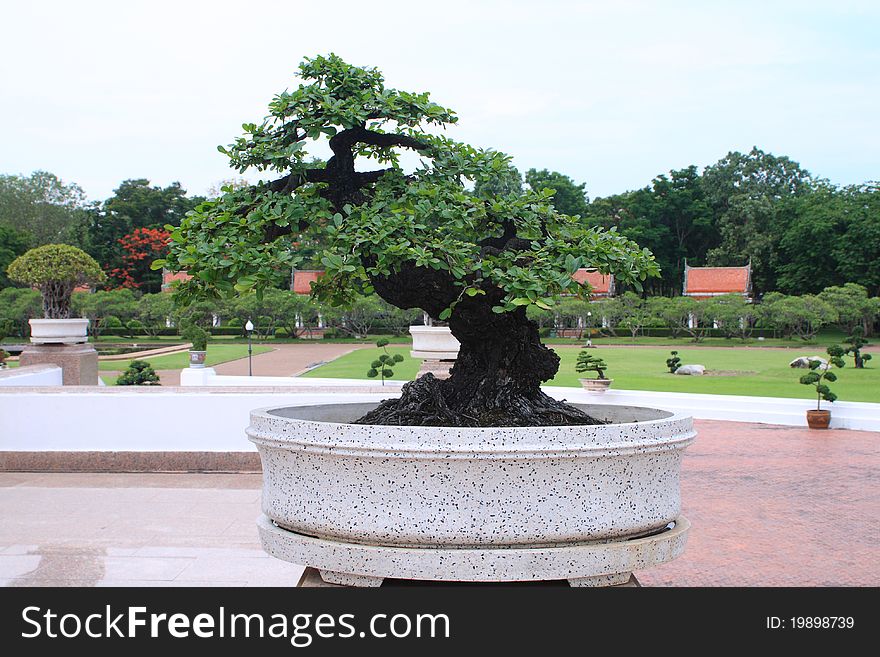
x,y
820,373
589,363
56,270
139,373
856,341
197,336
418,239
382,365
673,362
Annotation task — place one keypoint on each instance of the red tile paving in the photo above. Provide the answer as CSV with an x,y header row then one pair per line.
x,y
778,506
769,506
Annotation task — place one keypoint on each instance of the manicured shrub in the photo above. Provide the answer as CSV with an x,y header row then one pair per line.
x,y
139,373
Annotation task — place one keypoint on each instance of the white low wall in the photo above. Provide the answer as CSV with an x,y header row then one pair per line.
x,y
32,375
214,419
767,410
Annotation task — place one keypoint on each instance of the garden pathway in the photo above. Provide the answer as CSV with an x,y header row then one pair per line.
x,y
769,506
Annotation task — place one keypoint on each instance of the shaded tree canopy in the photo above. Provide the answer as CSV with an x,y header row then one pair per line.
x,y
418,239
42,206
568,198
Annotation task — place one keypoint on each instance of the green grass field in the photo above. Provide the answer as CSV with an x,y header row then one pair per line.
x,y
217,353
752,372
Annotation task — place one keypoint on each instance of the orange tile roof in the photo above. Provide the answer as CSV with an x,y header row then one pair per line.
x,y
169,277
600,284
302,280
716,280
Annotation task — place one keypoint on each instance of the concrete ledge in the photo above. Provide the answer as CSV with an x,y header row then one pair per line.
x,y
31,375
130,462
767,410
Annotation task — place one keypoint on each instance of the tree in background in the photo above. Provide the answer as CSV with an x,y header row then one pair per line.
x,y
568,198
733,315
105,309
852,305
154,311
139,250
671,217
508,181
42,206
801,316
17,306
134,205
748,194
13,243
856,249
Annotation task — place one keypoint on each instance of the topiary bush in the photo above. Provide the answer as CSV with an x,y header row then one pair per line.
x,y
139,373
673,362
197,336
382,365
55,270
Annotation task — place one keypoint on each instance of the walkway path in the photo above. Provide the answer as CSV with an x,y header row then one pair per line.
x,y
769,506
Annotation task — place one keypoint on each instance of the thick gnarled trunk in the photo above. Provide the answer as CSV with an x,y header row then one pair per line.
x,y
495,381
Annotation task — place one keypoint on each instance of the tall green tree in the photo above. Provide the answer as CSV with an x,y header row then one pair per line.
x,y
568,198
671,217
13,243
42,206
135,204
748,194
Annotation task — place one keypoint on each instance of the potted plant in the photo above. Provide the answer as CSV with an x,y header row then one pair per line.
x,y
382,365
485,459
819,373
56,270
589,363
3,356
198,338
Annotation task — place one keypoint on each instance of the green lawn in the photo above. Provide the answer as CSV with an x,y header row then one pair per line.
x,y
757,372
217,353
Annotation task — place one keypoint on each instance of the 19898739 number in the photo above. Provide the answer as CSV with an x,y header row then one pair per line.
x,y
811,623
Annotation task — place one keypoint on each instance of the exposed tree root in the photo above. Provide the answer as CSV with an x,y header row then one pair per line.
x,y
428,401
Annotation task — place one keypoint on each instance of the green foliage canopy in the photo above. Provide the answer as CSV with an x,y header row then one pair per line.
x,y
394,221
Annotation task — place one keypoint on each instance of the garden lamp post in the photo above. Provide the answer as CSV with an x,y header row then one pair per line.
x,y
589,329
249,327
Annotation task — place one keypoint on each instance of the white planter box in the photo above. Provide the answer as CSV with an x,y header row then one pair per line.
x,y
461,486
434,342
59,331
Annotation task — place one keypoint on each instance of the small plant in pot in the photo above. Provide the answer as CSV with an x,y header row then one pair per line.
x,y
586,362
56,270
198,337
819,374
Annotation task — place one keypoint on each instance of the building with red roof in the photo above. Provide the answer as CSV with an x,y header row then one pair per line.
x,y
301,282
706,282
601,285
168,277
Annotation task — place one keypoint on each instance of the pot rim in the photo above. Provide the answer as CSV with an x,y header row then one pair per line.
x,y
397,442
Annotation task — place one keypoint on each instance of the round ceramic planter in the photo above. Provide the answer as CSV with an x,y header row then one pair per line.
x,y
596,385
59,331
197,359
434,343
469,487
818,419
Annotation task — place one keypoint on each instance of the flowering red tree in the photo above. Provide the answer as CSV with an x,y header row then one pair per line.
x,y
139,249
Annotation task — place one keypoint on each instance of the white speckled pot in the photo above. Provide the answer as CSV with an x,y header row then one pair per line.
x,y
465,487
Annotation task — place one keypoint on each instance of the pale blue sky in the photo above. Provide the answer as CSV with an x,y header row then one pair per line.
x,y
610,93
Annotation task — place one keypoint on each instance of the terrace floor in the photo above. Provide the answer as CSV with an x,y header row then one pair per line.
x,y
769,506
